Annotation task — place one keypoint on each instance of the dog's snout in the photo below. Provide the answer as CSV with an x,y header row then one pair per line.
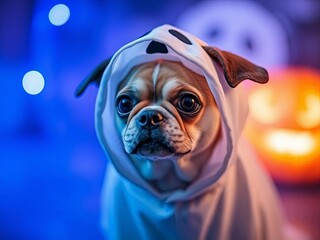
x,y
150,119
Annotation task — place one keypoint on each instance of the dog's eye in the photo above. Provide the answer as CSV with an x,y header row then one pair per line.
x,y
125,105
189,104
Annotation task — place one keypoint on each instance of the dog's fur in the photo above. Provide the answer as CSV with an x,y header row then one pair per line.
x,y
171,154
170,125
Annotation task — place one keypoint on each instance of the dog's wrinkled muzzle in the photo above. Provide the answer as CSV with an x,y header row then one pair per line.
x,y
154,134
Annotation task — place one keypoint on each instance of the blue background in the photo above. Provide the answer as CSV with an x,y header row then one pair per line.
x,y
51,164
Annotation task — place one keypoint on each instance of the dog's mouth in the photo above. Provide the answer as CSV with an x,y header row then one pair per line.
x,y
153,148
154,145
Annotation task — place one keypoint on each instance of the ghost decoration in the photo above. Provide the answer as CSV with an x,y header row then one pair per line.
x,y
243,27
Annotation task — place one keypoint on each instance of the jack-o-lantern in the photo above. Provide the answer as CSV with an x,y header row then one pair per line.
x,y
284,124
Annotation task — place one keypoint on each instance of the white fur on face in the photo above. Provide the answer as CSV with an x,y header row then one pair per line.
x,y
175,148
155,74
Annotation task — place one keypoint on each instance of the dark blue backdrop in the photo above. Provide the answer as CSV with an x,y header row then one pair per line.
x,y
51,164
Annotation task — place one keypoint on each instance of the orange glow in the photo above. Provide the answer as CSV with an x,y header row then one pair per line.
x,y
284,124
296,143
264,97
310,117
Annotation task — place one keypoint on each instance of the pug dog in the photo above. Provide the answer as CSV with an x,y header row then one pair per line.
x,y
163,111
169,116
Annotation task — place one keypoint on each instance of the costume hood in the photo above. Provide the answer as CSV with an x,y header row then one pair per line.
x,y
169,43
229,187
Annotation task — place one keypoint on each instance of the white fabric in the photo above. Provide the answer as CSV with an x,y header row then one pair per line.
x,y
232,198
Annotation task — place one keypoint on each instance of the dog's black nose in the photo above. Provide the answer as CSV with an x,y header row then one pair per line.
x,y
150,119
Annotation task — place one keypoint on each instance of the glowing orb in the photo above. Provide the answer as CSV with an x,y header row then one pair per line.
x,y
59,14
33,82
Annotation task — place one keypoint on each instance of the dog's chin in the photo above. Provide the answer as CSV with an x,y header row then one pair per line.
x,y
153,150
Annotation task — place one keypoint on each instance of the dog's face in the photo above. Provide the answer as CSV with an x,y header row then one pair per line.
x,y
165,114
169,121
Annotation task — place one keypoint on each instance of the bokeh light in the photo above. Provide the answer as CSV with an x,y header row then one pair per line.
x,y
59,14
50,156
291,142
33,82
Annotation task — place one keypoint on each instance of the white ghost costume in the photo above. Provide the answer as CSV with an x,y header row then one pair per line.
x,y
231,199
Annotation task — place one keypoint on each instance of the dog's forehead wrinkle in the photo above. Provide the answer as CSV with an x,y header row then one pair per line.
x,y
174,86
170,85
137,86
155,74
138,83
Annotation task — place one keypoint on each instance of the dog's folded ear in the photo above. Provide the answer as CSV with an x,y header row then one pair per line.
x,y
94,77
235,68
